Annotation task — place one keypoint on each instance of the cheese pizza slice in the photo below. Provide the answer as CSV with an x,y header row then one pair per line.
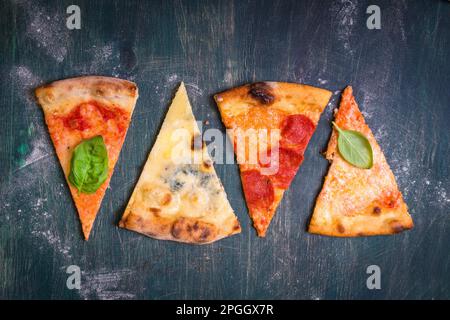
x,y
179,196
354,201
270,125
88,118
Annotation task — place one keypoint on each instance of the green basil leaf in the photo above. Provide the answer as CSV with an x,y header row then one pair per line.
x,y
89,165
355,148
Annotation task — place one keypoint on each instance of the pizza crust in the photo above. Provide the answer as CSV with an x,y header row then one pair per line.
x,y
353,201
289,98
60,96
180,229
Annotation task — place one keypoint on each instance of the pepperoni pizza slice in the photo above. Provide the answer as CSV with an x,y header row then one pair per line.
x,y
88,118
354,201
270,124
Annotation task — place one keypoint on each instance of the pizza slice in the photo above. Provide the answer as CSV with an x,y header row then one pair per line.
x,y
270,124
354,201
88,118
179,196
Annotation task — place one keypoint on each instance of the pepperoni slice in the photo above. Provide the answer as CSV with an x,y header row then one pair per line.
x,y
282,172
258,189
296,130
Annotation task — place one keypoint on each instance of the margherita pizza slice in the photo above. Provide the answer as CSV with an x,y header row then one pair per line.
x,y
179,196
353,201
270,124
88,118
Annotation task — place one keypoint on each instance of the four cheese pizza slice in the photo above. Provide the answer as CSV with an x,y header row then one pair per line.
x,y
88,118
353,201
270,124
179,196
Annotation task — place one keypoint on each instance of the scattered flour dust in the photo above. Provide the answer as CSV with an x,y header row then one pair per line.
x,y
106,285
100,60
228,76
172,78
194,89
47,29
40,151
420,191
344,15
25,82
35,167
41,223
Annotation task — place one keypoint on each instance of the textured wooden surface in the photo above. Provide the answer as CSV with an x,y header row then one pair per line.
x,y
400,75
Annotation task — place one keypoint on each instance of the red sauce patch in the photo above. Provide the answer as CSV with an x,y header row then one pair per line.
x,y
285,168
391,199
296,130
75,120
82,117
258,190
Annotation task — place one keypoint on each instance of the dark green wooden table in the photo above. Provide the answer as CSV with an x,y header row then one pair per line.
x,y
401,78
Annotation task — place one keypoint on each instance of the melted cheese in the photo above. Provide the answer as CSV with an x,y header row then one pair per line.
x,y
178,180
354,201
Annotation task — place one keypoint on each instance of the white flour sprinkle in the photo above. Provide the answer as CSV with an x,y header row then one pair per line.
x,y
99,59
23,76
106,285
344,15
40,151
54,241
103,53
194,89
43,228
25,82
228,77
49,33
420,192
172,78
35,167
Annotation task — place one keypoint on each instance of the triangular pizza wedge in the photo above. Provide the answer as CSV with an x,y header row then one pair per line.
x,y
353,201
179,196
88,118
270,125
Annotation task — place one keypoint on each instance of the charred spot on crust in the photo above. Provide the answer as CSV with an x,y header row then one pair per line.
x,y
176,230
261,91
205,234
150,234
236,226
197,142
192,230
396,226
207,163
131,221
155,211
376,211
340,228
